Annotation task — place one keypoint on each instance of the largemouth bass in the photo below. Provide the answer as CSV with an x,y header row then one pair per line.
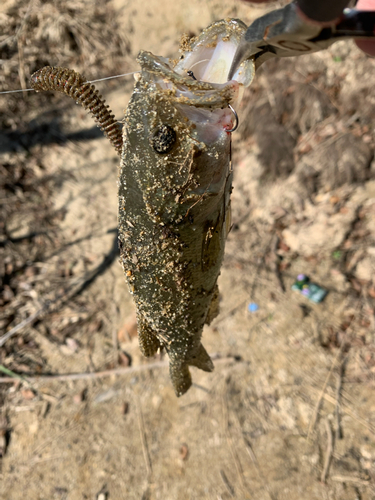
x,y
175,181
174,193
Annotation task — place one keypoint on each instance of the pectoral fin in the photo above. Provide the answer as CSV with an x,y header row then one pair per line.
x,y
148,341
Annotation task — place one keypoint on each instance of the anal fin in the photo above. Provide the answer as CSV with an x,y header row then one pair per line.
x,y
201,359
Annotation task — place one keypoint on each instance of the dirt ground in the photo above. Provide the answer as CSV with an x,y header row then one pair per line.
x,y
289,412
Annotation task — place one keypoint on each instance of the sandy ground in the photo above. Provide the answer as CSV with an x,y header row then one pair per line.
x,y
289,412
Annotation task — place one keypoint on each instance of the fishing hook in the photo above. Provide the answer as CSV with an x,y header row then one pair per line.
x,y
236,123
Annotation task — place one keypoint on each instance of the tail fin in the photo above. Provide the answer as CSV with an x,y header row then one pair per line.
x,y
179,371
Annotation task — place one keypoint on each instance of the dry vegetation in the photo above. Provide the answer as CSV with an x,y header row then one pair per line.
x,y
289,411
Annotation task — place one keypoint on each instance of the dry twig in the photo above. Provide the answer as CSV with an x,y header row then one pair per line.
x,y
74,288
329,452
228,486
23,323
338,431
276,264
350,479
257,466
348,411
323,390
230,441
142,433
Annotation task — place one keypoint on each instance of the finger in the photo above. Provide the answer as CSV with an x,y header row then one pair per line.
x,y
366,45
365,5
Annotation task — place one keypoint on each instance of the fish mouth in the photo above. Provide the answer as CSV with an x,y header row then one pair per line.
x,y
209,56
197,82
203,66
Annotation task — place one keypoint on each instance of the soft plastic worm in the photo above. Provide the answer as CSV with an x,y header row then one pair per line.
x,y
75,85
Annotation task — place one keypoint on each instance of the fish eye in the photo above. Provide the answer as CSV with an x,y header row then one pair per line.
x,y
163,139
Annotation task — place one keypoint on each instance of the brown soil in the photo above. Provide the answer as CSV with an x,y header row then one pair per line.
x,y
289,412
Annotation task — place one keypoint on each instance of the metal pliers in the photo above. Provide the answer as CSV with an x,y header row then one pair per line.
x,y
302,27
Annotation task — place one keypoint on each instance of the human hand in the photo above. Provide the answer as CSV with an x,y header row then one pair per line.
x,y
368,46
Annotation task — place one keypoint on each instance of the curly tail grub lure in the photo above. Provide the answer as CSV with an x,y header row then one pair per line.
x,y
75,85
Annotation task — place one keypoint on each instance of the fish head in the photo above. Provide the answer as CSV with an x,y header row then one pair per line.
x,y
197,83
179,111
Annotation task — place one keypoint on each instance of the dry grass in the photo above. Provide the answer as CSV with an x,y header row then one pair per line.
x,y
81,34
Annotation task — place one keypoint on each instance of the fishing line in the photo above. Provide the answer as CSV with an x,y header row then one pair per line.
x,y
91,81
190,73
199,62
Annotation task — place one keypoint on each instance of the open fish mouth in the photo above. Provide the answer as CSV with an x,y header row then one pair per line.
x,y
209,56
197,82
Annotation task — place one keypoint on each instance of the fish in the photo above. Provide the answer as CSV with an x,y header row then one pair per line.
x,y
174,186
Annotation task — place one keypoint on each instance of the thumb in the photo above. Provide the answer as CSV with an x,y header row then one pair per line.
x,y
367,46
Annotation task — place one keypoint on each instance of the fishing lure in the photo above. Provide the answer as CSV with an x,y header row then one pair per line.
x,y
175,181
74,85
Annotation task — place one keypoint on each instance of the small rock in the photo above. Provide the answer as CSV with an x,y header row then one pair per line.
x,y
284,413
367,452
27,394
8,294
72,344
365,269
106,396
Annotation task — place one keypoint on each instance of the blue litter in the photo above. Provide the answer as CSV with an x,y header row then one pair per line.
x,y
252,307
